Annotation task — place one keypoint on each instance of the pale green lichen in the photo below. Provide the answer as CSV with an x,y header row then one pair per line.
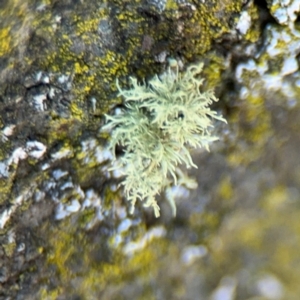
x,y
162,121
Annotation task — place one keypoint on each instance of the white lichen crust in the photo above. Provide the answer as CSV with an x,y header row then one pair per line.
x,y
162,121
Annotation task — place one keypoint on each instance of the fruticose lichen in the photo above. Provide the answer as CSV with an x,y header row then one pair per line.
x,y
161,122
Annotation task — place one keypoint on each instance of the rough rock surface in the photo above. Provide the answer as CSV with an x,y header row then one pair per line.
x,y
64,228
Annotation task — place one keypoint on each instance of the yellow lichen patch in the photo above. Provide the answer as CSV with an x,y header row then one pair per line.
x,y
213,71
263,239
276,198
171,4
9,248
255,129
87,50
225,189
205,25
80,69
85,27
110,197
6,185
5,41
204,224
63,247
253,33
15,24
77,111
65,129
49,295
250,232
99,270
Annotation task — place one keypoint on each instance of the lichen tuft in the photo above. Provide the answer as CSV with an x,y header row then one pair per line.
x,y
161,122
